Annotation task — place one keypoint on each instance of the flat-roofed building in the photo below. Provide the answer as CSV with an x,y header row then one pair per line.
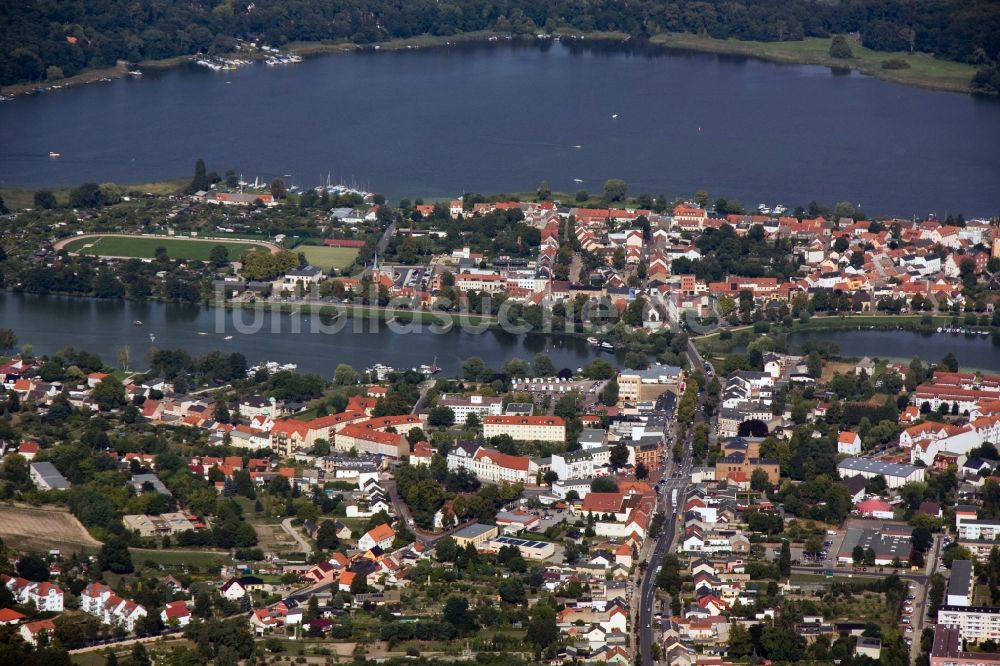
x,y
45,476
895,475
526,428
947,650
475,404
530,549
477,534
648,384
976,623
961,584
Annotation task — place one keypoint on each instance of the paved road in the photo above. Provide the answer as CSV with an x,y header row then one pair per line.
x,y
664,542
286,525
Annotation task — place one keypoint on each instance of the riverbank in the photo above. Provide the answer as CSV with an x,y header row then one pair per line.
x,y
924,70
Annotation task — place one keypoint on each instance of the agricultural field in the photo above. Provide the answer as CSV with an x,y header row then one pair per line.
x,y
144,247
328,257
31,528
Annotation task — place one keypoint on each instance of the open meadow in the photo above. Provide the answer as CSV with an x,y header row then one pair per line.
x,y
328,257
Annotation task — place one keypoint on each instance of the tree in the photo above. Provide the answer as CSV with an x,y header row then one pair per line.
x,y
615,189
45,200
785,559
441,416
603,484
840,49
456,613
446,550
949,363
345,375
278,189
7,339
219,255
200,181
542,630
139,655
619,455
813,545
109,394
326,535
759,480
641,471
544,191
114,556
543,365
474,368
87,195
33,567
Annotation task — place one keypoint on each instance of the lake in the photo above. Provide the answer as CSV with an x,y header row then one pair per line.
x,y
50,323
979,352
502,117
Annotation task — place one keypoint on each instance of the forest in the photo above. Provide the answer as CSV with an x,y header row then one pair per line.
x,y
50,39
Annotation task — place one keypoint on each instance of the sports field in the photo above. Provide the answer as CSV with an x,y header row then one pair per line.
x,y
144,247
328,257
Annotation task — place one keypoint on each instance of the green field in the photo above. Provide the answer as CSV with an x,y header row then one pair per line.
x,y
925,70
328,257
177,558
145,248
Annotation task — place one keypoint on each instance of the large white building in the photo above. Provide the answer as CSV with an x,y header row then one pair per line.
x,y
976,623
475,404
492,465
526,428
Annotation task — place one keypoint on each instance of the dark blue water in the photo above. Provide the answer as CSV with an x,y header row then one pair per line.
x,y
499,117
978,352
50,323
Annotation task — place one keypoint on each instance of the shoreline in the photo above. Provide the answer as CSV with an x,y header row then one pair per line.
x,y
925,71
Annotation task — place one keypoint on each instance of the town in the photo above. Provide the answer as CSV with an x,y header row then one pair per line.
x,y
702,491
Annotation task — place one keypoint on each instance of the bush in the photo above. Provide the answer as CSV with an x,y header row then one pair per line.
x,y
895,63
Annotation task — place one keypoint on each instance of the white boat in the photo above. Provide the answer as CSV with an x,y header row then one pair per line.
x,y
152,338
607,346
228,337
136,73
614,116
939,329
578,146
577,180
54,155
137,323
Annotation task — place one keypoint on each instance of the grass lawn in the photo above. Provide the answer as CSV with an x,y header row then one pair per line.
x,y
145,248
328,257
925,70
174,558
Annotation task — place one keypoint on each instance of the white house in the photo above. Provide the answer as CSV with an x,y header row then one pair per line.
x,y
849,443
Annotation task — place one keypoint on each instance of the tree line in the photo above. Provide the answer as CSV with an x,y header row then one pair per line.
x,y
50,40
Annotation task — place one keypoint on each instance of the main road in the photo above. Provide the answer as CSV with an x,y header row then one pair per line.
x,y
664,541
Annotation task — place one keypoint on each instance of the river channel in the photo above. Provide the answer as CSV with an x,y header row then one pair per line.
x,y
50,323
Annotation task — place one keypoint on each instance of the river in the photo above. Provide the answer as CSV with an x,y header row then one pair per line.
x,y
51,323
976,352
502,117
